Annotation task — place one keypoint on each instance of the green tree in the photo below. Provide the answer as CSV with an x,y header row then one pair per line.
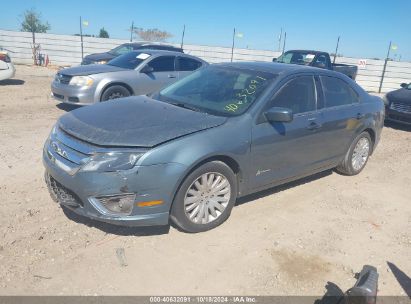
x,y
103,33
32,23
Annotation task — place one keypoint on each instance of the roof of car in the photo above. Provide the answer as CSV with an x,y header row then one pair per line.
x,y
307,51
272,67
150,43
165,52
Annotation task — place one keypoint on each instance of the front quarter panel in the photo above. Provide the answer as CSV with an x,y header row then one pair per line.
x,y
232,139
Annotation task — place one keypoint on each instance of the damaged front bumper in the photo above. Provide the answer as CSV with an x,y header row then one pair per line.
x,y
149,189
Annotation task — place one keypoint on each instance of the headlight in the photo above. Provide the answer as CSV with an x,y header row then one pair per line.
x,y
101,62
81,81
385,99
109,162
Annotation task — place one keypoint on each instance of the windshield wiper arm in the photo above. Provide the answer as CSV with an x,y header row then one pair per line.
x,y
186,106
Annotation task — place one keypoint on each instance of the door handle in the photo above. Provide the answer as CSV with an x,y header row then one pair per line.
x,y
360,116
171,76
313,125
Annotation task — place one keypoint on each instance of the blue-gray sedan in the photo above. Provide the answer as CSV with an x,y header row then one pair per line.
x,y
188,152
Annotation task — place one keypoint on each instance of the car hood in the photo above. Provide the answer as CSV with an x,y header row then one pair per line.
x,y
99,57
134,122
401,95
83,70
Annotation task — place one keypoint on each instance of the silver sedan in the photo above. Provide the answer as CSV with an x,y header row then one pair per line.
x,y
134,73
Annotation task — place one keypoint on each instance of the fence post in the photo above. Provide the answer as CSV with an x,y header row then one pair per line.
x,y
385,66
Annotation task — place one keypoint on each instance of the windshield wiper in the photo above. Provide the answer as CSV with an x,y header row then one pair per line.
x,y
186,106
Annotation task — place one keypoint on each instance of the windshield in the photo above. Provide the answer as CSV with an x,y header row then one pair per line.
x,y
121,49
304,58
130,60
222,91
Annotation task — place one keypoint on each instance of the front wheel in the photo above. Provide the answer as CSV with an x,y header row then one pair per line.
x,y
357,155
205,198
115,91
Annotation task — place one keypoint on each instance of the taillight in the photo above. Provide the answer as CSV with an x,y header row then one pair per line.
x,y
5,58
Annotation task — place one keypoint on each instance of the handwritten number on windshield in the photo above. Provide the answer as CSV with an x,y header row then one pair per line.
x,y
244,96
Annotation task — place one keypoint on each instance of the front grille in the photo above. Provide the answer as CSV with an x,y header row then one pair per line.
x,y
401,107
58,96
64,79
73,99
400,118
61,194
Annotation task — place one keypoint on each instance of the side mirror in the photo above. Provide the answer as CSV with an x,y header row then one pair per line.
x,y
404,85
277,114
274,59
147,69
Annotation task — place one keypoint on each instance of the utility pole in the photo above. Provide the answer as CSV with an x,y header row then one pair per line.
x,y
279,40
131,31
385,66
336,49
81,38
232,48
182,36
285,38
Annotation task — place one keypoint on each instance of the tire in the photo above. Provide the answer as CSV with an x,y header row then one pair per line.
x,y
357,155
115,91
208,206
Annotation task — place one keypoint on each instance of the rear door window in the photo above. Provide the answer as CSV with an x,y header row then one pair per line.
x,y
298,94
163,64
187,64
337,92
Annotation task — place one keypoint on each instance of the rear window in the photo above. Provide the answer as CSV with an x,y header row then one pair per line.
x,y
129,60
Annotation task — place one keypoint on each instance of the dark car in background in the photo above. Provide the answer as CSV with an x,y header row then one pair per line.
x,y
102,58
398,105
316,59
225,131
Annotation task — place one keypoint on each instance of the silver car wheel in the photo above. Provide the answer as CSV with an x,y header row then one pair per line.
x,y
115,95
360,154
207,198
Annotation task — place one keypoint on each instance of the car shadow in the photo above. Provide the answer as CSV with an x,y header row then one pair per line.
x,y
114,229
277,189
158,230
403,279
12,82
397,126
333,295
67,107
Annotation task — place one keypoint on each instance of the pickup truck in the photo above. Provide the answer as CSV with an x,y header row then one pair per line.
x,y
316,59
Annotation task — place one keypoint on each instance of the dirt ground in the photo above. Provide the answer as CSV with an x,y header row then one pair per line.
x,y
290,240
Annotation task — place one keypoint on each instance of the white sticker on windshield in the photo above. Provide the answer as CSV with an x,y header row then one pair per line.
x,y
143,56
310,56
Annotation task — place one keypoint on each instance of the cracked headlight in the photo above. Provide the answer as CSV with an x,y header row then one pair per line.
x,y
82,81
110,162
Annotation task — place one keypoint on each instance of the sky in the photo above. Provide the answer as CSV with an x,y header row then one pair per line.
x,y
366,27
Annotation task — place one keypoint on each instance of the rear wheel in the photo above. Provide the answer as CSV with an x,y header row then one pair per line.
x,y
205,198
115,91
357,156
